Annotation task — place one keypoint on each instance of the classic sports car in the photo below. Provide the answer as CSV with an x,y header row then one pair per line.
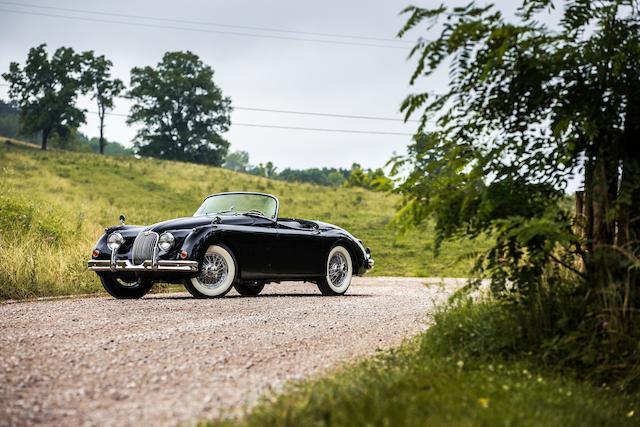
x,y
233,240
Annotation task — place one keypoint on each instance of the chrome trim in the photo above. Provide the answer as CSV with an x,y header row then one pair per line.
x,y
112,261
370,263
154,254
154,259
125,265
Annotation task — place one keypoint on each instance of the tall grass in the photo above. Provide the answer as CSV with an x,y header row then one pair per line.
x,y
54,206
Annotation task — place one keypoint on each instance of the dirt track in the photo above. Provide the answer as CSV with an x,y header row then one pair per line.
x,y
169,359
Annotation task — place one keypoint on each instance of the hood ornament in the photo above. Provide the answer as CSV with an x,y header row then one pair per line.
x,y
122,219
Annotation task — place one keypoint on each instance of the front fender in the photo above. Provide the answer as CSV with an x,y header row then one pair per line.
x,y
198,241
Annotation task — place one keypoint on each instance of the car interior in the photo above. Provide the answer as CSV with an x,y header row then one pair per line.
x,y
300,224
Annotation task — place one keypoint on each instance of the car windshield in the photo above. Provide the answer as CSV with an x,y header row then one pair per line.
x,y
263,204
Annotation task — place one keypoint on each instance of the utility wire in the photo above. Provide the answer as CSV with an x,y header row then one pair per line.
x,y
309,113
256,125
202,30
205,23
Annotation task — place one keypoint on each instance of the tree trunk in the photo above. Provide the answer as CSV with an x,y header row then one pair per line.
x,y
580,214
45,138
629,206
101,143
604,192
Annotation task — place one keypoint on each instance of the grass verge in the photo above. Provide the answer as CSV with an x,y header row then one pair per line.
x,y
453,375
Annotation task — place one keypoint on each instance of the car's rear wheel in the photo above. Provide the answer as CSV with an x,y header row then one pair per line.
x,y
339,272
249,289
218,270
123,289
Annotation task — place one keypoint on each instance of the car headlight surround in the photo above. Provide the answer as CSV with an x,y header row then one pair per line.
x,y
166,240
114,241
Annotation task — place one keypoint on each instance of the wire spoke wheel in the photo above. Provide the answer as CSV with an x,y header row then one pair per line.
x,y
339,272
338,269
217,273
214,271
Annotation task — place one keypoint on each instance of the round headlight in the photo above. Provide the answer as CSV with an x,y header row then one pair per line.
x,y
166,241
114,241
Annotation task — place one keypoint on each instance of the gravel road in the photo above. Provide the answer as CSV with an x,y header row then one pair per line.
x,y
169,359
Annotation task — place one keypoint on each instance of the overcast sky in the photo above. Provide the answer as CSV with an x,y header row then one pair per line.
x,y
256,72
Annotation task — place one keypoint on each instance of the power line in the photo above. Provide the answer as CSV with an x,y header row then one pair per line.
x,y
201,30
307,113
366,132
310,113
257,125
206,23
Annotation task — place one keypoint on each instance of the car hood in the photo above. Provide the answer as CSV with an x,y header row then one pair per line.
x,y
197,221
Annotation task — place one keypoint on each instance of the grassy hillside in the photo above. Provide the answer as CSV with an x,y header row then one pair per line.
x,y
54,205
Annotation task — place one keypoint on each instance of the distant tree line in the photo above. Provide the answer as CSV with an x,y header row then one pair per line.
x,y
356,176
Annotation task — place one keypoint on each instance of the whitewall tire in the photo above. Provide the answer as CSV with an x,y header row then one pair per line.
x,y
218,270
339,272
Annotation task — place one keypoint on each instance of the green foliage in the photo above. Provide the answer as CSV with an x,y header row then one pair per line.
x,y
371,179
182,111
530,108
267,170
331,177
461,372
10,122
237,161
45,90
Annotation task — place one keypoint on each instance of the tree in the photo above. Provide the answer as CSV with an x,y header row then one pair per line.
x,y
371,179
237,161
45,91
267,170
97,76
181,110
528,110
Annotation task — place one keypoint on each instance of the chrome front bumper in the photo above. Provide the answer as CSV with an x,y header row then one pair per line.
x,y
370,263
161,265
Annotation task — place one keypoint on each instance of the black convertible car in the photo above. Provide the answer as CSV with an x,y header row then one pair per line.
x,y
233,240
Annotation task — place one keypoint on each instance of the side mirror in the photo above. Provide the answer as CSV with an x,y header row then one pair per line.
x,y
122,219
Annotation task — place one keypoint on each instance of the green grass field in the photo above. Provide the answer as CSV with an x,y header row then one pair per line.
x,y
54,205
455,374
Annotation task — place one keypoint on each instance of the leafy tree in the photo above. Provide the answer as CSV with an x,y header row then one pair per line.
x,y
97,76
530,108
237,161
371,179
45,91
268,170
181,110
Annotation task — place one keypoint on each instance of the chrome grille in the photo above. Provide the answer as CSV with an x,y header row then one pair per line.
x,y
144,246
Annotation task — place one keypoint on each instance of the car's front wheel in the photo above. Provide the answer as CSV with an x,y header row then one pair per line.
x,y
218,271
339,272
122,289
